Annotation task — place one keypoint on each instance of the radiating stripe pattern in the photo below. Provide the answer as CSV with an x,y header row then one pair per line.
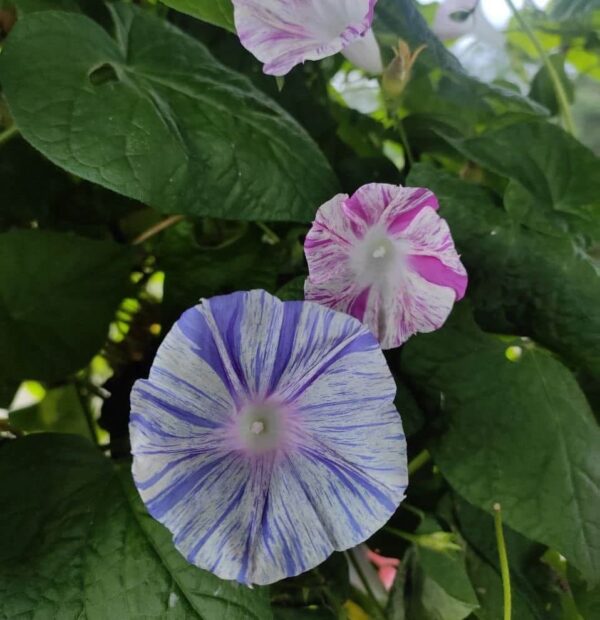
x,y
285,33
266,437
386,257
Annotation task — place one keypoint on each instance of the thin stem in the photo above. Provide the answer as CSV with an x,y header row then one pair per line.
x,y
7,134
503,556
405,142
559,89
365,581
87,413
157,228
421,459
400,534
272,236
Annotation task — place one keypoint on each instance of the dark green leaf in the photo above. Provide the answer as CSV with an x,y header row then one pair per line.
x,y
531,580
587,599
567,9
518,432
60,411
542,87
444,591
218,12
81,545
559,173
520,280
193,271
58,294
292,290
488,585
153,116
24,201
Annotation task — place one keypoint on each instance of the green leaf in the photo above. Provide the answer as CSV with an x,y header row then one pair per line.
x,y
543,90
587,599
22,200
567,9
517,432
58,294
488,586
31,6
60,411
81,545
193,271
532,583
217,12
292,290
152,115
559,173
444,591
521,281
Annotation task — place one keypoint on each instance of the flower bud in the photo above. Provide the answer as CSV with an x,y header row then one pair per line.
x,y
397,74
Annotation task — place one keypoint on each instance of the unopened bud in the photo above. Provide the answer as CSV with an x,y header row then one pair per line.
x,y
438,541
398,73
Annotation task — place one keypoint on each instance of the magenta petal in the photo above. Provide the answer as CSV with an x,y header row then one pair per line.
x,y
386,257
434,271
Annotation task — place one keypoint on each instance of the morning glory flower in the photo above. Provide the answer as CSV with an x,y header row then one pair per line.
x,y
285,33
385,257
266,437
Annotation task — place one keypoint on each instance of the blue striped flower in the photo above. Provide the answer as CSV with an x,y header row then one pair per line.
x,y
266,437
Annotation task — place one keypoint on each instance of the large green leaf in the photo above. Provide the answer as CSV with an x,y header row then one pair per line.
x,y
58,294
521,280
218,12
81,544
567,9
517,432
559,174
152,115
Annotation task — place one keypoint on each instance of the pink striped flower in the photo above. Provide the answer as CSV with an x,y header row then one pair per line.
x,y
385,257
285,33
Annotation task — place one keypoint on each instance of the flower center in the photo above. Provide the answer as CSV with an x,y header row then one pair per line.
x,y
260,427
377,257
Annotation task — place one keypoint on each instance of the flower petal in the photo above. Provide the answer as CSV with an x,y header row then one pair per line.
x,y
260,517
379,254
365,53
432,253
285,33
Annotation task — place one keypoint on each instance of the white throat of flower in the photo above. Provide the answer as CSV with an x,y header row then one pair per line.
x,y
260,428
378,258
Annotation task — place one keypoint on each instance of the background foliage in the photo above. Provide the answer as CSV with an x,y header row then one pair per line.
x,y
146,161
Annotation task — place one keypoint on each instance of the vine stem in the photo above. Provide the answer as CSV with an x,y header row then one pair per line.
x,y
559,89
157,228
421,459
409,154
503,556
7,134
87,413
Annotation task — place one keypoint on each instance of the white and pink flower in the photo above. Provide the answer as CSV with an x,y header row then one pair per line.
x,y
285,33
387,258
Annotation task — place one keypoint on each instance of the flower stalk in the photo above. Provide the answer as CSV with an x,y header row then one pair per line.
x,y
503,556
